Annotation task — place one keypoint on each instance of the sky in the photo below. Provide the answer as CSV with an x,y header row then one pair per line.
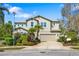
x,y
24,11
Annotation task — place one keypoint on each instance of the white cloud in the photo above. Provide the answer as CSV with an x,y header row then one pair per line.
x,y
15,9
24,15
19,12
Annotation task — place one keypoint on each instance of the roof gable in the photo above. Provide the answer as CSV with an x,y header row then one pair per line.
x,y
37,17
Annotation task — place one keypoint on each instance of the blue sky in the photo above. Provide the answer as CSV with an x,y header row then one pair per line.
x,y
26,10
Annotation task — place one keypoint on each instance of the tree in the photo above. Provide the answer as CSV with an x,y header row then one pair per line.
x,y
2,32
31,30
66,12
9,28
2,9
63,12
6,30
38,27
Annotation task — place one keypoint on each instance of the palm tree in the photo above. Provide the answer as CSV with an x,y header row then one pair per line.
x,y
38,27
2,13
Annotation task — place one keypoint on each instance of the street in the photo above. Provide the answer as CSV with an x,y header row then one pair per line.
x,y
44,52
49,48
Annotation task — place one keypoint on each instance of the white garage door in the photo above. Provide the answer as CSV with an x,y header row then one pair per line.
x,y
48,37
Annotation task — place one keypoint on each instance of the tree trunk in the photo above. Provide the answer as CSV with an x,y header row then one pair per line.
x,y
37,34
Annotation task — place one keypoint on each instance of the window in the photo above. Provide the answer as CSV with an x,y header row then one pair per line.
x,y
44,24
32,23
53,24
18,24
22,24
26,24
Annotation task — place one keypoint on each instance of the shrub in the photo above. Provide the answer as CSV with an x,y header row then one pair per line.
x,y
4,43
36,41
9,41
18,44
1,38
26,42
72,35
61,39
17,35
22,40
29,44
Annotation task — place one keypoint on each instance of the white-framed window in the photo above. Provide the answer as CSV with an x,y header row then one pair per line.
x,y
32,24
18,24
43,24
53,24
26,25
22,24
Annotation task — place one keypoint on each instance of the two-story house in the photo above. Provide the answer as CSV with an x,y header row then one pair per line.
x,y
50,31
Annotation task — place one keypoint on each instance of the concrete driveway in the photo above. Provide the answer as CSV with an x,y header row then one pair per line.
x,y
48,45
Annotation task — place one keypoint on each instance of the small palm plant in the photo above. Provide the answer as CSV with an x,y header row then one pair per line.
x,y
31,35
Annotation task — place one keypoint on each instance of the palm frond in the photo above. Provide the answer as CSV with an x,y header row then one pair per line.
x,y
3,8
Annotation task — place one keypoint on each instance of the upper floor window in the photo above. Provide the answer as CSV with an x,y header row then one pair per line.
x,y
22,24
44,24
18,24
32,23
53,24
26,24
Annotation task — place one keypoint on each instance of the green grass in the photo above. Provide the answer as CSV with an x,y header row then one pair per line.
x,y
75,47
10,48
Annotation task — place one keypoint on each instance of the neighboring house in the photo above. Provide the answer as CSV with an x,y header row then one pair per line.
x,y
50,31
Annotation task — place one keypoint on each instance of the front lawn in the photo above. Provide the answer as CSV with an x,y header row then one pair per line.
x,y
75,47
11,48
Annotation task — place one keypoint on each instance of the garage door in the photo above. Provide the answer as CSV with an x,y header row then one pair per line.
x,y
48,37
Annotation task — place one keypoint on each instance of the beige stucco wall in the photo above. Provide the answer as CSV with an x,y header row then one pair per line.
x,y
45,30
55,26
